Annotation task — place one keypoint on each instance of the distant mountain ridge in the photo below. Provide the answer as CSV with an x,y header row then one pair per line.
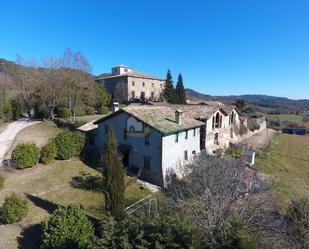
x,y
257,101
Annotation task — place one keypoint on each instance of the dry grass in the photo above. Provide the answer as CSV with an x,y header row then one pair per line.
x,y
38,134
48,186
288,162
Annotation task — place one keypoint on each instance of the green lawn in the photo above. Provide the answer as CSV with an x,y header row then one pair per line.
x,y
60,183
289,118
288,162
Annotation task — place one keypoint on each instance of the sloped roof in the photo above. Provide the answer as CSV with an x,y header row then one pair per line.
x,y
88,127
131,74
161,118
200,112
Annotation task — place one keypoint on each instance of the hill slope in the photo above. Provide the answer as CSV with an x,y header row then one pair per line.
x,y
260,102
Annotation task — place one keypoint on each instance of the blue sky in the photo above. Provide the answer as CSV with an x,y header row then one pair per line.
x,y
221,47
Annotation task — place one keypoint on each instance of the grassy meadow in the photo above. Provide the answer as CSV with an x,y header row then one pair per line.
x,y
287,161
287,118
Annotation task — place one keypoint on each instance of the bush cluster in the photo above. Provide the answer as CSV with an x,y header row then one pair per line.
x,y
90,110
63,112
25,156
14,209
67,228
103,110
48,153
81,111
69,144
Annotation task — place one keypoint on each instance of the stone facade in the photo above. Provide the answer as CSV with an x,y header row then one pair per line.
x,y
125,84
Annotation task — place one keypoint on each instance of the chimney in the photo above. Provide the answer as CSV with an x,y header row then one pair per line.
x,y
115,106
178,116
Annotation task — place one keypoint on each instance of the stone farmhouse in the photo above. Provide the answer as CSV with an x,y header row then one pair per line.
x,y
125,84
157,138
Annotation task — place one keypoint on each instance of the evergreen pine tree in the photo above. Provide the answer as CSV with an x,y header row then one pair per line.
x,y
169,91
180,91
114,185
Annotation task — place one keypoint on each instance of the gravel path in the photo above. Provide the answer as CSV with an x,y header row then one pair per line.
x,y
8,135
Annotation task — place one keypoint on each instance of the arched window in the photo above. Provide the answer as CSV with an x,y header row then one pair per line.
x,y
217,125
131,128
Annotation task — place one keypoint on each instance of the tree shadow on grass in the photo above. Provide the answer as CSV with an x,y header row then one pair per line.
x,y
30,237
88,182
42,203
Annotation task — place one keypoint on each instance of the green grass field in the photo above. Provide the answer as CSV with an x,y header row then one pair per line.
x,y
289,118
287,161
60,183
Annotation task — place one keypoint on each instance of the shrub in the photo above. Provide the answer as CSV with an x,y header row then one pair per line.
x,y
79,140
65,143
103,110
63,112
67,228
25,156
80,111
90,110
14,209
2,180
48,153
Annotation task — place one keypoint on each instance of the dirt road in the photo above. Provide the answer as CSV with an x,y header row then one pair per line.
x,y
7,136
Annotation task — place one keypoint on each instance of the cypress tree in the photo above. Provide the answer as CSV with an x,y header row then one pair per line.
x,y
114,185
180,91
169,91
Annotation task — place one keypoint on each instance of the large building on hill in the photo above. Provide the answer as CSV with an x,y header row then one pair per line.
x,y
157,138
126,84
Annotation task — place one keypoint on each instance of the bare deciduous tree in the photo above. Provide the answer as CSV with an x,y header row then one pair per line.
x,y
217,191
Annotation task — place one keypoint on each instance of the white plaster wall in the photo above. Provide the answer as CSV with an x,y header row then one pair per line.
x,y
173,152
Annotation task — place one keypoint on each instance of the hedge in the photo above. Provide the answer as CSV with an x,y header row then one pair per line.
x,y
2,181
14,209
103,110
68,228
48,152
90,110
25,156
69,144
63,112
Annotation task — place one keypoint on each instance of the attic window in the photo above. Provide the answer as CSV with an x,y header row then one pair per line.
x,y
131,128
126,70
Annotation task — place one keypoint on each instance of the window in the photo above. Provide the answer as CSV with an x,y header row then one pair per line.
x,y
125,134
152,85
152,95
106,129
186,135
142,95
143,83
147,137
133,94
133,83
126,70
213,123
147,160
176,139
161,86
194,132
131,128
185,155
193,152
216,139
